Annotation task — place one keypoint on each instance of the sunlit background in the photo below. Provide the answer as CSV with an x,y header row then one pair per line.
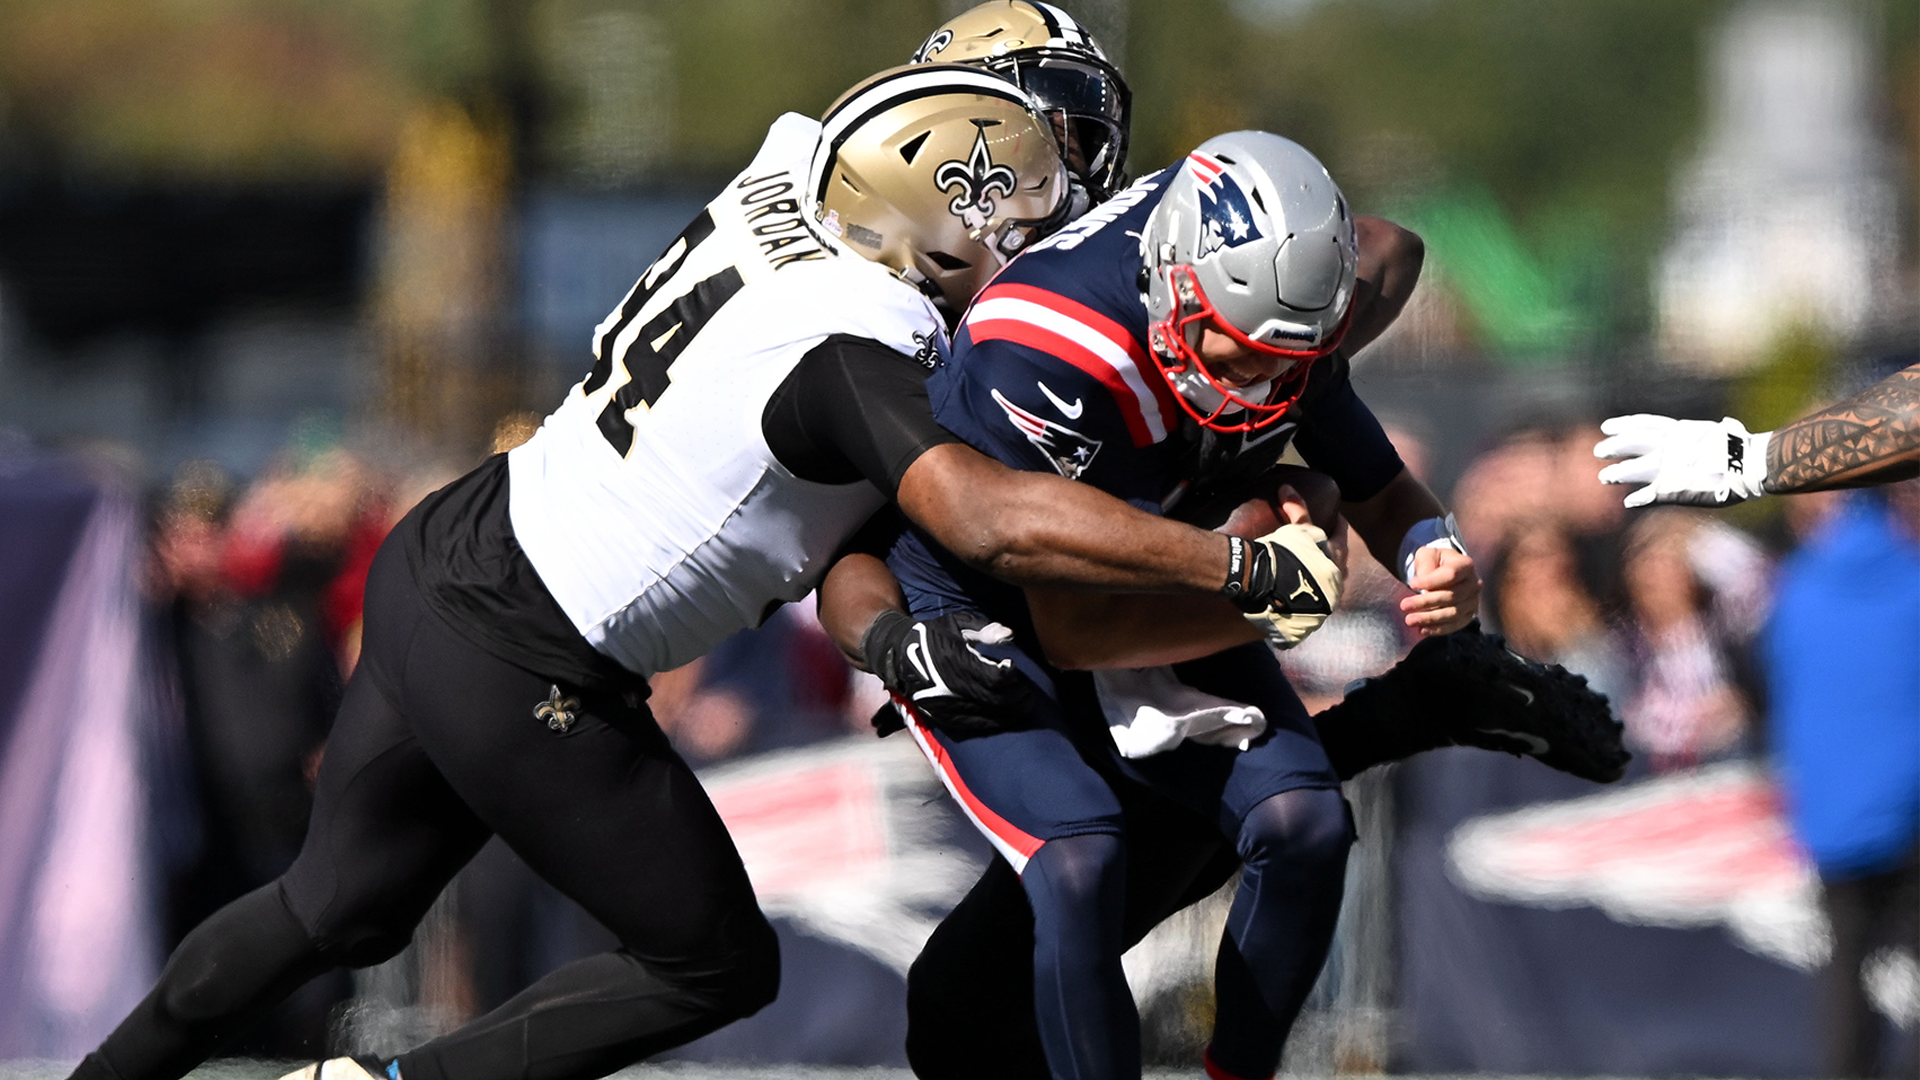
x,y
271,270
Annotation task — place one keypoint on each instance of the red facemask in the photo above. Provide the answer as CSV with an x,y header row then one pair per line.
x,y
1172,350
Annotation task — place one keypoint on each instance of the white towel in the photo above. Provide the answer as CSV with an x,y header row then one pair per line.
x,y
1149,711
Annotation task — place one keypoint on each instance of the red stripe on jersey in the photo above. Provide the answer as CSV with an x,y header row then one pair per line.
x,y
1002,829
1034,337
1020,417
1102,369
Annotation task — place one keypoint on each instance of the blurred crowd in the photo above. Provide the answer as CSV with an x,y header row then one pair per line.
x,y
1670,612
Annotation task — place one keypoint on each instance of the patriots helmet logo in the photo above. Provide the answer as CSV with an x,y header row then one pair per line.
x,y
1226,218
978,179
1068,450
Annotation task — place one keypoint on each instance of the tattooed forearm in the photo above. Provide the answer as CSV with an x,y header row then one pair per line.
x,y
1871,438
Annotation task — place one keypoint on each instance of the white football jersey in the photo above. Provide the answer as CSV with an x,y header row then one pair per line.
x,y
650,503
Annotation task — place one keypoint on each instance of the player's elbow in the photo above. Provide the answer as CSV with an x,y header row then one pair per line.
x,y
1000,541
1389,253
1402,252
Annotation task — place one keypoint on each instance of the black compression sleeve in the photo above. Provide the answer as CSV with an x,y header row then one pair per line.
x,y
877,536
852,409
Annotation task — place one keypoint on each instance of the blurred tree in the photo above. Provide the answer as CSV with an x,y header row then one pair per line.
x,y
740,63
226,90
1566,114
1571,114
441,277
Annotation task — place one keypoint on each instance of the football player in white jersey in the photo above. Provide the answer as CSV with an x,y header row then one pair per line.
x,y
755,398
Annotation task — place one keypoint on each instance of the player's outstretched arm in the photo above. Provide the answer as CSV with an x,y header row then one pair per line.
x,y
1091,631
1034,528
1870,438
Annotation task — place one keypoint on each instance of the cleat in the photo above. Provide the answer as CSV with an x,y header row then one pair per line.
x,y
1469,689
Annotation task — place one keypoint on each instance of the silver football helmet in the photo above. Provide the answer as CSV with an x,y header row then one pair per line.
x,y
1252,239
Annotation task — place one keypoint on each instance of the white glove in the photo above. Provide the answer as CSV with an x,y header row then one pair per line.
x,y
1690,462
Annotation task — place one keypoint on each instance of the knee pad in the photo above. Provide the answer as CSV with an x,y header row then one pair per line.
x,y
1076,869
1303,826
753,981
257,936
359,929
737,983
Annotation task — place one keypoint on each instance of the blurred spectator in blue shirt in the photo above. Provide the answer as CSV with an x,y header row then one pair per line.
x,y
1844,652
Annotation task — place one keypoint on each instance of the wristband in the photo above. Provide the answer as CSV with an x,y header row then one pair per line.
x,y
1434,532
1749,481
1250,578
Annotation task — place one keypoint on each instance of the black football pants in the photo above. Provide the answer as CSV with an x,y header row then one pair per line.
x,y
1868,913
437,747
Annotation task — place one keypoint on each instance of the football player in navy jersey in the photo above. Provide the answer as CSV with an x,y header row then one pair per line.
x,y
1166,348
971,993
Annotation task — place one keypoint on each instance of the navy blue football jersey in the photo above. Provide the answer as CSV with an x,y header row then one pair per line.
x,y
1050,371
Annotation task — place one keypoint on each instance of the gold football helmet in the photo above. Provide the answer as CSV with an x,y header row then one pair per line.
x,y
1045,52
942,172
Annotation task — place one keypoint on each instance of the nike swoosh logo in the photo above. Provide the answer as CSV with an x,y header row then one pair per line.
x,y
1534,743
1071,412
1249,440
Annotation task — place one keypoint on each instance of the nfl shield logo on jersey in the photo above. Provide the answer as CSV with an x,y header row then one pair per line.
x,y
1068,450
1226,218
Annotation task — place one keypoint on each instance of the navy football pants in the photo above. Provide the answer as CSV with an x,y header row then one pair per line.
x,y
1050,808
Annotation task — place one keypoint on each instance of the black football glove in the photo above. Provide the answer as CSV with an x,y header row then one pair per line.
x,y
1469,689
936,668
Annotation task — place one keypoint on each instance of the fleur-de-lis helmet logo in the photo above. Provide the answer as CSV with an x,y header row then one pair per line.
x,y
940,40
978,179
